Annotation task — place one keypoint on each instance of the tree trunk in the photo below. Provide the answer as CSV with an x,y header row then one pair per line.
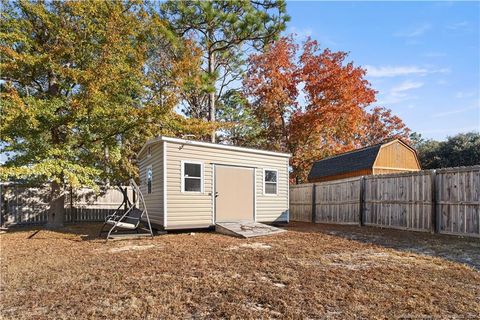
x,y
106,151
211,96
56,212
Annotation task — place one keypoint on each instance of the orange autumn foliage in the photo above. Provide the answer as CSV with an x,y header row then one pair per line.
x,y
271,82
314,104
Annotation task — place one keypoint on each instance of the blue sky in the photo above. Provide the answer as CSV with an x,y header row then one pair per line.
x,y
422,57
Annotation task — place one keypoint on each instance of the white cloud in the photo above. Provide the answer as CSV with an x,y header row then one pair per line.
x,y
462,25
391,71
407,85
400,92
301,33
395,71
304,33
434,54
456,111
466,94
414,32
452,130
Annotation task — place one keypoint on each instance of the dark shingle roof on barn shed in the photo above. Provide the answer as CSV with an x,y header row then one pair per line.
x,y
346,162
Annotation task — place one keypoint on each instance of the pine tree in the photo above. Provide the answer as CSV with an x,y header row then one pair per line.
x,y
223,30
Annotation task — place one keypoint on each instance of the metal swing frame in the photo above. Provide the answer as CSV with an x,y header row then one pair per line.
x,y
131,219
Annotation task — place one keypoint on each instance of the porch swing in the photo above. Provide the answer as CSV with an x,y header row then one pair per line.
x,y
128,217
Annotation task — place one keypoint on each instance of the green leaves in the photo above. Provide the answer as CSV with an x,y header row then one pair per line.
x,y
460,150
53,170
84,85
222,30
239,125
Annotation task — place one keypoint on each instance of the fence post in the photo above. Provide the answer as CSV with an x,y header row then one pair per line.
x,y
361,201
1,205
18,218
435,218
314,203
72,215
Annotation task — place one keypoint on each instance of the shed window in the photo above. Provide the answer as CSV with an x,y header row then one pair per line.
x,y
192,177
270,182
149,179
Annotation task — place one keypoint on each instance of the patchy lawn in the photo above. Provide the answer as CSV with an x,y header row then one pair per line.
x,y
311,271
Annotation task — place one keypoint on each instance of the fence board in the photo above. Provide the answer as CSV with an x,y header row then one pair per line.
x,y
27,205
458,200
444,200
401,201
338,201
301,202
24,205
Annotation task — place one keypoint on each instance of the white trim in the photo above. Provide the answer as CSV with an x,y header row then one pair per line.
x,y
255,194
213,145
234,166
149,167
164,184
213,193
263,182
202,178
288,193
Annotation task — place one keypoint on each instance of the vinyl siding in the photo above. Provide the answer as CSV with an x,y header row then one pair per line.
x,y
196,209
154,200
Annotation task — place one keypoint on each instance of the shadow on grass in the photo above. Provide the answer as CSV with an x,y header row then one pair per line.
x,y
458,249
73,232
464,250
87,231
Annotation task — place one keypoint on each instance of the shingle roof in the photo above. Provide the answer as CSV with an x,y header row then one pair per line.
x,y
346,162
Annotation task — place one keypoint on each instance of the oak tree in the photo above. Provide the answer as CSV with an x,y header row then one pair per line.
x,y
83,85
313,103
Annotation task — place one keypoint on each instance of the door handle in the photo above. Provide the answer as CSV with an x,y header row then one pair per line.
x,y
216,194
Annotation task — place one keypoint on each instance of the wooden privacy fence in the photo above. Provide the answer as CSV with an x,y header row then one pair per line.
x,y
443,201
338,202
401,201
23,205
457,200
301,202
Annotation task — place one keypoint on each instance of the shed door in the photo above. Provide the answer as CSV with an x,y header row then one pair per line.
x,y
234,194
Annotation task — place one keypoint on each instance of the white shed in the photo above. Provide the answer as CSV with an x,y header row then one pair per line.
x,y
191,184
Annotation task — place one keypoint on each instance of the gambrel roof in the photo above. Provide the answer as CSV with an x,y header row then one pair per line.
x,y
346,162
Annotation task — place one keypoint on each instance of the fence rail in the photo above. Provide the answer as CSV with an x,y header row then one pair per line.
x,y
29,205
443,201
338,202
301,202
457,201
402,201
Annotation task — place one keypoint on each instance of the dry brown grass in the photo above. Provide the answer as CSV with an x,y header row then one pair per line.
x,y
312,271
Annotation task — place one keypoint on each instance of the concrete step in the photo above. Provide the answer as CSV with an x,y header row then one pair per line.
x,y
246,229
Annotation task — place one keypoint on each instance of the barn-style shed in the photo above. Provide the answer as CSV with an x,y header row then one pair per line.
x,y
191,184
390,157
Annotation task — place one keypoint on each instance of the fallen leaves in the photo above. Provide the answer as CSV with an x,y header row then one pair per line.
x,y
312,271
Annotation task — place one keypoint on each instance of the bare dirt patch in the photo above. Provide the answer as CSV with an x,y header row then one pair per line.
x,y
253,245
312,271
465,250
131,247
